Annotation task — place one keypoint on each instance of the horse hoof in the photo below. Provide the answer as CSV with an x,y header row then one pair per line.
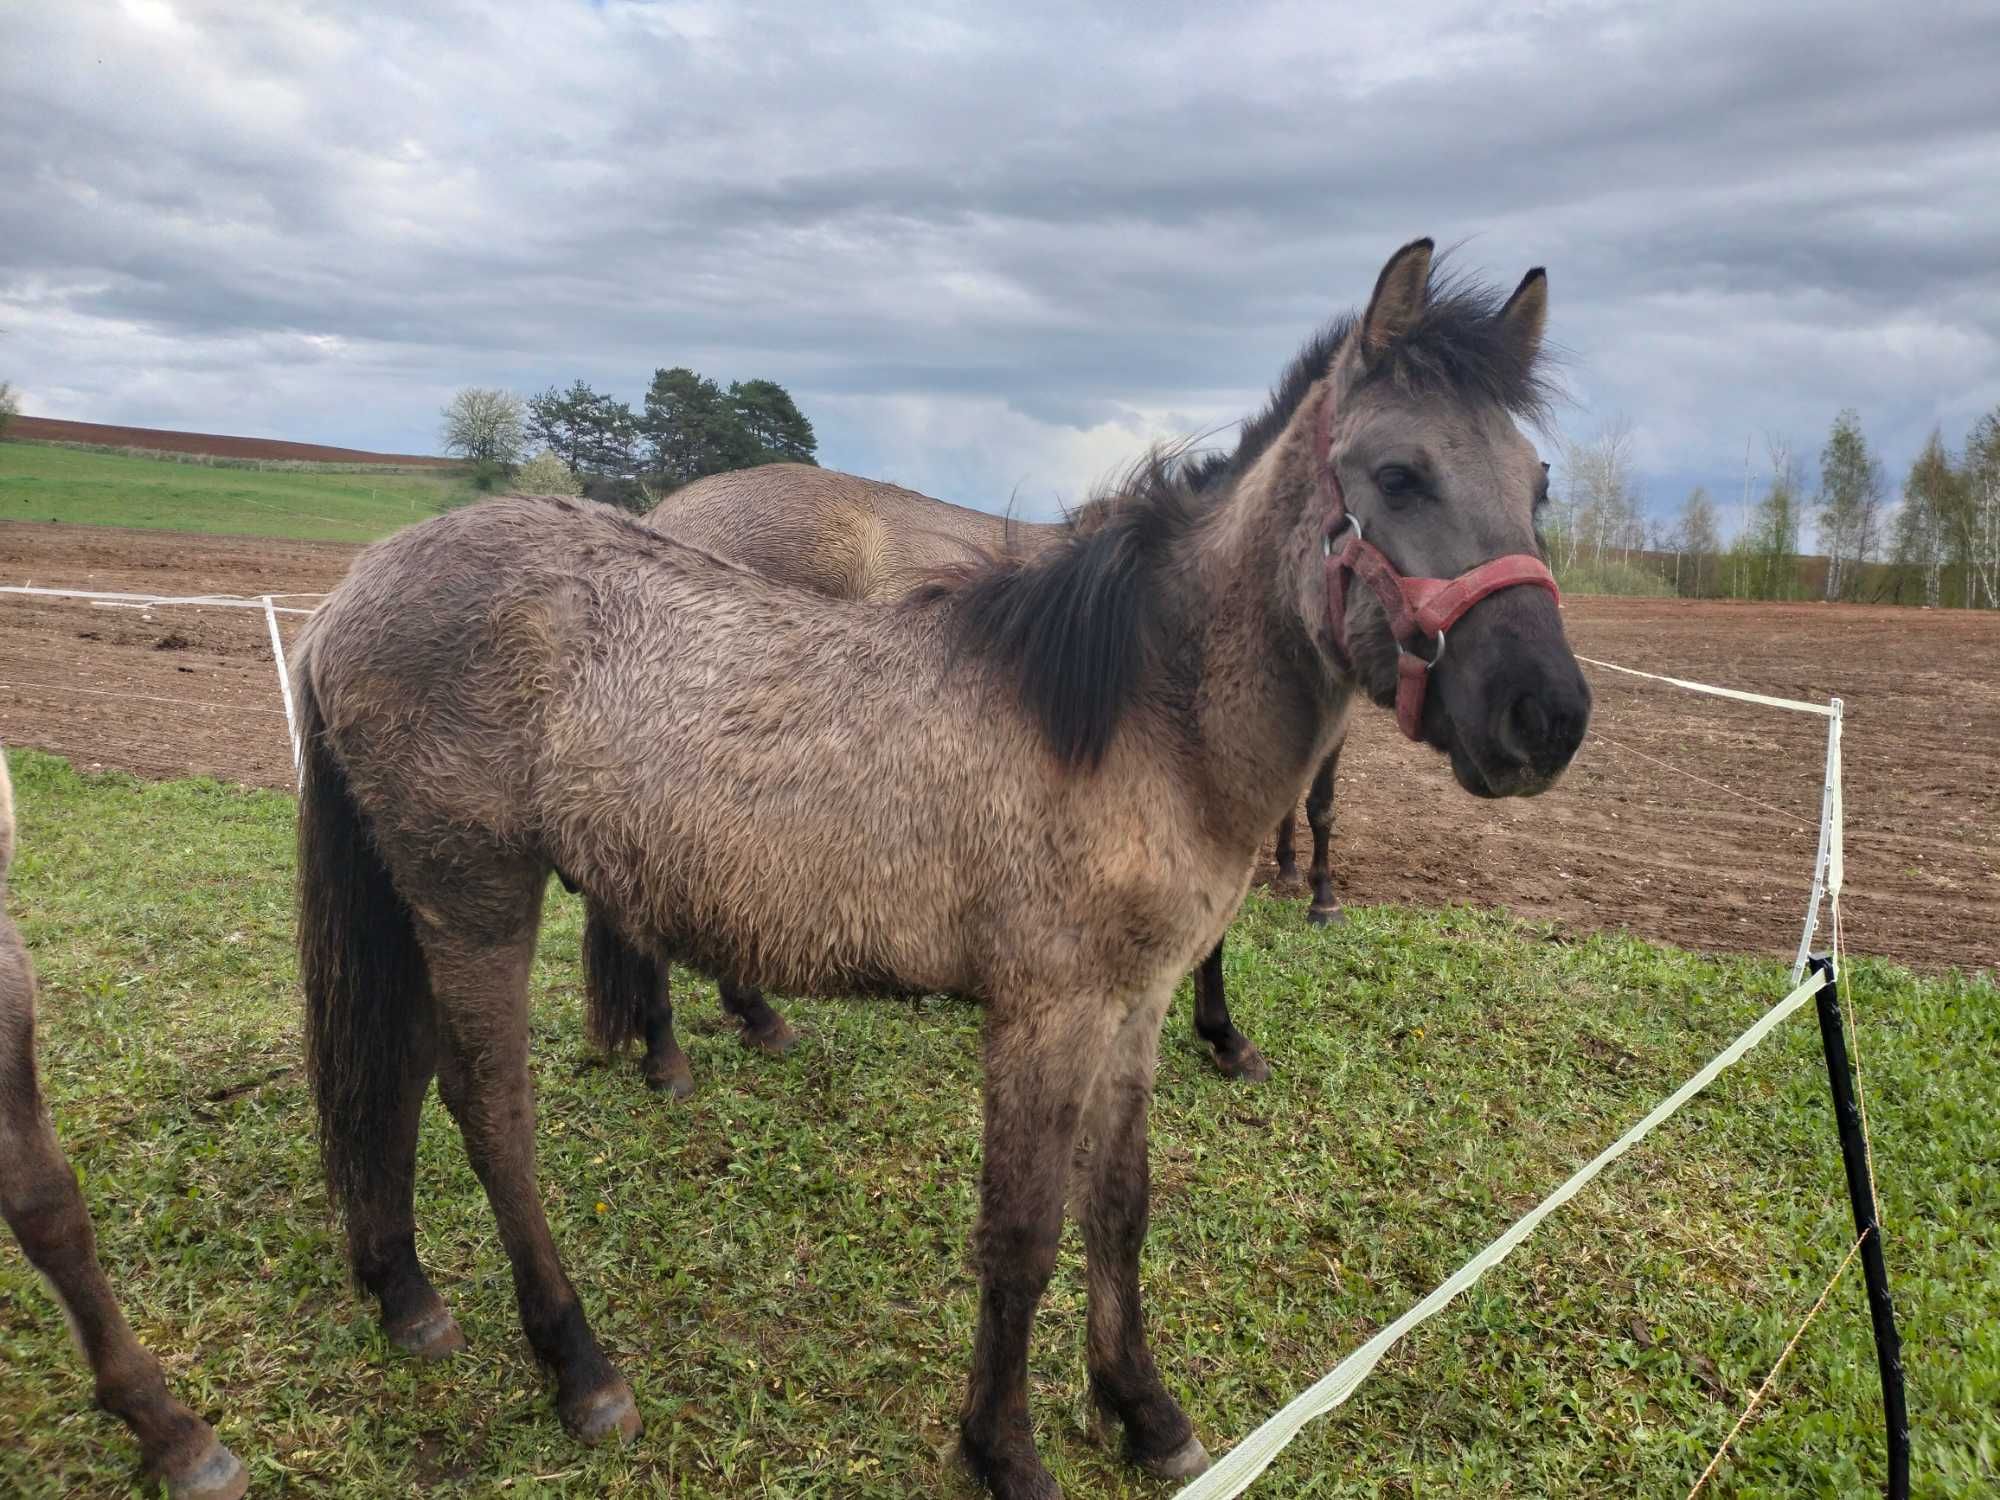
x,y
216,1475
677,1083
1326,916
1247,1065
433,1337
1288,874
1184,1462
609,1414
774,1041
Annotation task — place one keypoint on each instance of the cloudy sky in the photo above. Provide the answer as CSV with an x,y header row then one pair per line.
x,y
994,249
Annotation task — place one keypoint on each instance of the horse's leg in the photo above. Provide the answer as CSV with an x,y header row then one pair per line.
x,y
381,1210
482,1009
627,994
1319,813
764,1030
665,1067
1234,1053
1040,1066
41,1203
1113,1202
1288,854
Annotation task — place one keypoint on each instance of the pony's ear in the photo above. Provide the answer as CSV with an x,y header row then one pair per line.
x,y
1527,314
1399,296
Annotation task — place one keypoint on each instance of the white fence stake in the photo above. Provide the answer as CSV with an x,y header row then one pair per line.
x,y
1828,863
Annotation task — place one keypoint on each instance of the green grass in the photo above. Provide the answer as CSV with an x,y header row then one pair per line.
x,y
779,1264
39,482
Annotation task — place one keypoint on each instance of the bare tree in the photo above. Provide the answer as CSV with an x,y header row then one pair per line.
x,y
1930,498
1850,495
1773,539
1976,518
485,426
10,406
1696,540
1600,499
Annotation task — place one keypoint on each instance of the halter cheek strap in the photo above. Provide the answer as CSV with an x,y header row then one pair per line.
x,y
1420,610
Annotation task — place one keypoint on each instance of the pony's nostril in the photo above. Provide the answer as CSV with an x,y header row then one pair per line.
x,y
1531,722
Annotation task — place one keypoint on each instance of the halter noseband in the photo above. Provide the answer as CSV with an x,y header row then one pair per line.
x,y
1420,610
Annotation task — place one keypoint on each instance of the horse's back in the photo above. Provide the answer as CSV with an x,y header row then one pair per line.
x,y
834,533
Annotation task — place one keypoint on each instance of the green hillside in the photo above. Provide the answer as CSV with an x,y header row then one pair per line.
x,y
329,504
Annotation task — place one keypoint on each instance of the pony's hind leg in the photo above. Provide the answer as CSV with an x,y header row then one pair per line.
x,y
481,990
764,1030
627,994
1114,1204
1319,813
381,1209
1234,1053
41,1203
1287,848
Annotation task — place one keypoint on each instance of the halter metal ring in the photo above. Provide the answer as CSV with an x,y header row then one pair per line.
x,y
1406,651
1347,521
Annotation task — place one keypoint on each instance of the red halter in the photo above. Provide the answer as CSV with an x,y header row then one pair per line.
x,y
1418,608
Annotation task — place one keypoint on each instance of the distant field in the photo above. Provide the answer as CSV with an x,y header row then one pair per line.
x,y
213,444
44,483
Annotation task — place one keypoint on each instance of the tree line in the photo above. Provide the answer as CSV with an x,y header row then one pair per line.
x,y
686,426
1937,542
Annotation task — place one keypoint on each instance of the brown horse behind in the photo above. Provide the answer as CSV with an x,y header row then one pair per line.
x,y
853,538
1041,789
42,1205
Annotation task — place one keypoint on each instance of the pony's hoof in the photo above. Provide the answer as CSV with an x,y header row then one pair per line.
x,y
434,1336
609,1414
1184,1462
1288,874
675,1083
1326,916
774,1040
216,1475
1246,1065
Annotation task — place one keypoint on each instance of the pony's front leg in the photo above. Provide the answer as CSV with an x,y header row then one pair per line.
x,y
1040,1065
1319,813
1113,1201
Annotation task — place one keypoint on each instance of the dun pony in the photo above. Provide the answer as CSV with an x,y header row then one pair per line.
x,y
526,686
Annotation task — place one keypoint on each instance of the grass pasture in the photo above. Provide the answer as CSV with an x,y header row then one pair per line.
x,y
779,1264
95,487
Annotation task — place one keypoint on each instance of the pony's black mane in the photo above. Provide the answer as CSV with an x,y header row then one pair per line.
x,y
1077,624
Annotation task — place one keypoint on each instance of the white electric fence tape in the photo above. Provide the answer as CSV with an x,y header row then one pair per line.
x,y
1235,1470
285,689
148,601
1718,692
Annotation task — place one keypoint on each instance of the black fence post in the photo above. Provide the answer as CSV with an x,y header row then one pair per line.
x,y
1854,1155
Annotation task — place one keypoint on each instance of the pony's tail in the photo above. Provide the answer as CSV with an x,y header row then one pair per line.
x,y
360,964
619,981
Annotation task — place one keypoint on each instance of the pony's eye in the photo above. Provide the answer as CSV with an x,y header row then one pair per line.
x,y
1395,481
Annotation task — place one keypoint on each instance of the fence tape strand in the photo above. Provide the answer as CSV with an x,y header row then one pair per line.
x,y
1236,1469
1720,692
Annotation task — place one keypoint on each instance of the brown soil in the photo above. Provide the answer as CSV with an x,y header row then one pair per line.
x,y
161,440
1631,839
